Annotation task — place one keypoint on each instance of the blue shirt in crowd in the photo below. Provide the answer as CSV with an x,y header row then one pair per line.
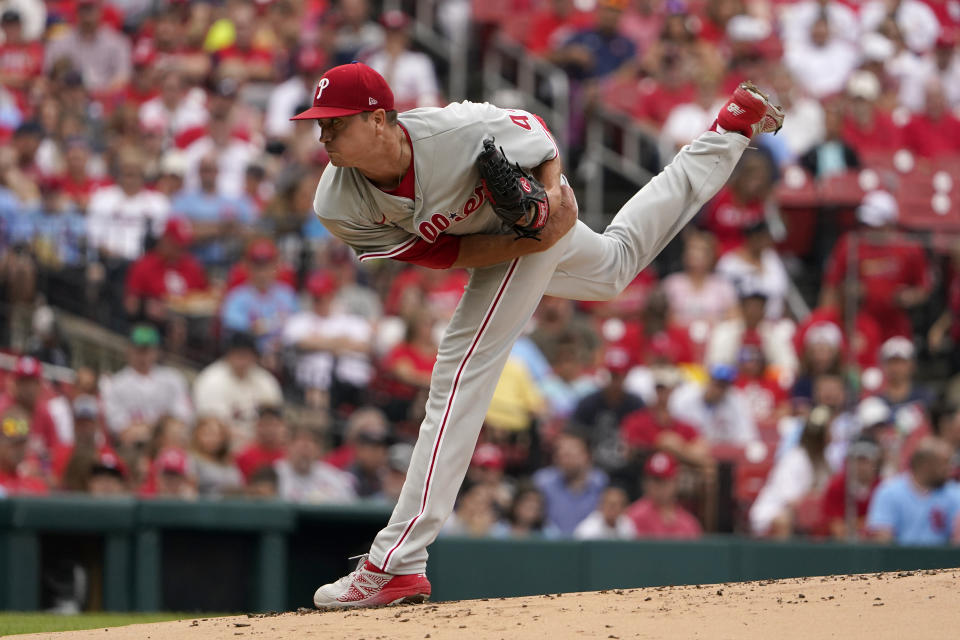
x,y
915,517
60,238
262,313
610,52
200,206
567,508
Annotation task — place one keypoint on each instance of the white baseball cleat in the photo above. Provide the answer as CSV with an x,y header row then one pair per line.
x,y
367,586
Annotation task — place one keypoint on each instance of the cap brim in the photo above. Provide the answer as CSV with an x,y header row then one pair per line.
x,y
315,113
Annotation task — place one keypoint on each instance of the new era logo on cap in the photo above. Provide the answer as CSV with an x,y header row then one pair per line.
x,y
347,90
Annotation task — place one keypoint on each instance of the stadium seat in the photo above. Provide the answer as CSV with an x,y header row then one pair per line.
x,y
927,211
841,190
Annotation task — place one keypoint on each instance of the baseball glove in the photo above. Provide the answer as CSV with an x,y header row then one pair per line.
x,y
517,197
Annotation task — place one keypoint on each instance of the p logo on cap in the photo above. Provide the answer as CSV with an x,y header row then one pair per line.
x,y
324,83
347,90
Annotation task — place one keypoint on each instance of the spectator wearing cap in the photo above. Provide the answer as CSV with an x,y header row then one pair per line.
x,y
833,154
487,468
798,18
697,295
828,324
821,62
211,459
757,267
333,349
934,131
220,222
751,326
740,204
177,108
60,230
915,20
369,462
572,486
410,74
658,514
234,386
868,126
18,474
355,31
303,477
760,387
98,52
107,476
21,57
920,505
121,217
602,413
600,50
788,500
287,97
89,440
270,440
262,306
77,181
898,365
653,428
717,410
891,269
25,393
849,491
144,391
609,521
164,274
821,354
33,16
170,476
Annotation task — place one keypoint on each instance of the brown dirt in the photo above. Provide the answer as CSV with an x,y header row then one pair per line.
x,y
913,605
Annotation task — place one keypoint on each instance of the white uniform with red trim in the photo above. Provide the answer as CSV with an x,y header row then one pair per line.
x,y
500,299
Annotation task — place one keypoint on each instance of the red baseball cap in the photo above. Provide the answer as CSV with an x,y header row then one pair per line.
x,y
321,283
395,19
28,367
488,456
179,230
262,250
347,90
617,360
310,60
660,465
173,461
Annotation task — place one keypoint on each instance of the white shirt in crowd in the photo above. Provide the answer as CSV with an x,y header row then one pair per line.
x,y
791,478
189,113
411,76
821,71
712,302
796,19
595,527
776,343
916,73
217,391
727,422
686,122
315,370
803,126
282,105
232,162
917,21
324,483
118,223
771,278
129,396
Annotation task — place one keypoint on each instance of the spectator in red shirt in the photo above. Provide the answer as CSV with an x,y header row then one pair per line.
x,y
553,25
741,203
936,131
892,270
863,467
245,58
865,344
765,397
21,61
653,428
26,393
17,474
170,476
76,181
270,442
657,514
165,273
866,127
408,367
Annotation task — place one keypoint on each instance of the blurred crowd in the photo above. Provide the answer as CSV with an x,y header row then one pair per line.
x,y
151,181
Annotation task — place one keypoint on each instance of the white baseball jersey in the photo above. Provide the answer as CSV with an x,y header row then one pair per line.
x,y
499,299
449,199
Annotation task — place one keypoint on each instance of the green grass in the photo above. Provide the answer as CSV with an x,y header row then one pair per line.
x,y
15,623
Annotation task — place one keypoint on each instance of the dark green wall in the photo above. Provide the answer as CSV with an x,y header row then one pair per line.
x,y
251,556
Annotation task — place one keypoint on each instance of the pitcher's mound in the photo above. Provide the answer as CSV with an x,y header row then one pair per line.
x,y
912,605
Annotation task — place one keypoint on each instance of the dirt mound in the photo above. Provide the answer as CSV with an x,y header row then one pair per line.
x,y
912,604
